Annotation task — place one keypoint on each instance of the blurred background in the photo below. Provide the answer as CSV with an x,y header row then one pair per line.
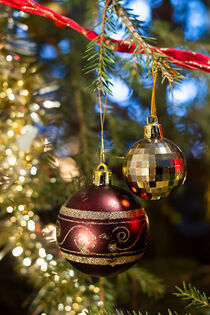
x,y
50,140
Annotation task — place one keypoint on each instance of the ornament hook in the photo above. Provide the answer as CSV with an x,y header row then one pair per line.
x,y
102,176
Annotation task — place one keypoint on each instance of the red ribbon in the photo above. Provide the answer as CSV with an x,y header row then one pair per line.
x,y
184,59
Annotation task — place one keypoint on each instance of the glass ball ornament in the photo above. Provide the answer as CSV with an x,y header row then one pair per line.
x,y
102,229
154,167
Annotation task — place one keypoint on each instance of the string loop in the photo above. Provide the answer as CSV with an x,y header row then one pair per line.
x,y
153,103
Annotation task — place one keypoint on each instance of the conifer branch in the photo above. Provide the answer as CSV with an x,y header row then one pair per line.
x,y
102,43
195,297
100,58
162,63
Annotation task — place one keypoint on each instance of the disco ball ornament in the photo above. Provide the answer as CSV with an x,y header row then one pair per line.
x,y
154,166
102,229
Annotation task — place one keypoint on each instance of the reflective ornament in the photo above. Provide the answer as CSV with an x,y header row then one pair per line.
x,y
102,229
154,167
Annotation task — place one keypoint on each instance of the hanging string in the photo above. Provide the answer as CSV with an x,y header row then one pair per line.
x,y
102,108
101,284
153,103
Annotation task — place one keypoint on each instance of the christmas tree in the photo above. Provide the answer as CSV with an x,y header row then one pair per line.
x,y
69,104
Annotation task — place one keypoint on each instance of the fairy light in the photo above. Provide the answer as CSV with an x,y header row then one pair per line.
x,y
12,160
42,252
24,92
21,207
20,83
11,97
27,261
49,257
21,179
31,225
10,133
23,172
2,95
35,117
32,236
9,58
71,273
10,209
56,278
60,307
23,223
33,170
53,263
19,188
17,251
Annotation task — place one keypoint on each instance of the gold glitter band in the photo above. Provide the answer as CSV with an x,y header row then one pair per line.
x,y
64,250
97,215
102,261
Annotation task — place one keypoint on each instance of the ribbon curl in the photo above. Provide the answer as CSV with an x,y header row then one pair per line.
x,y
185,59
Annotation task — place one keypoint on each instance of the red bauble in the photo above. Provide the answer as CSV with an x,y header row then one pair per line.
x,y
102,230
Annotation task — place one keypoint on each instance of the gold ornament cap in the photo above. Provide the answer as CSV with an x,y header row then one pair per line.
x,y
102,176
152,129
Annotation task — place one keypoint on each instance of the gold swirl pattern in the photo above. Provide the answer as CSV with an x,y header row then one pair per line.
x,y
122,237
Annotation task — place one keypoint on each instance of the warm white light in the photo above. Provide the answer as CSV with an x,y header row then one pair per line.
x,y
44,266
23,223
42,252
21,179
60,307
49,257
67,308
21,207
35,117
11,97
27,261
9,58
56,278
52,104
17,251
20,83
36,106
53,262
24,92
10,133
22,172
31,225
12,160
9,209
33,170
71,273
19,188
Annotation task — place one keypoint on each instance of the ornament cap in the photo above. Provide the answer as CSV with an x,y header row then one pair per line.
x,y
102,176
152,129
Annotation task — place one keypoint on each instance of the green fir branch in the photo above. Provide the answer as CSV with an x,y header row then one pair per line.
x,y
195,297
133,25
101,58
